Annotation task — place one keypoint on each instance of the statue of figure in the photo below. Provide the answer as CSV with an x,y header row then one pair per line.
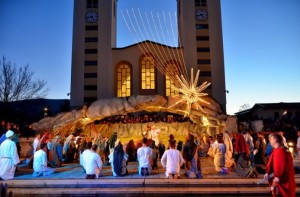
x,y
151,132
84,111
154,134
147,132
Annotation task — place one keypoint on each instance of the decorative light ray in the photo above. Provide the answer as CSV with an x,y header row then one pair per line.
x,y
190,93
162,55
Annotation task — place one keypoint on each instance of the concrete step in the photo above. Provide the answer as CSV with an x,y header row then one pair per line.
x,y
119,183
69,180
147,191
141,187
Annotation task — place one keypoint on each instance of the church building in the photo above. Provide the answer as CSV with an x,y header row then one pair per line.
x,y
102,70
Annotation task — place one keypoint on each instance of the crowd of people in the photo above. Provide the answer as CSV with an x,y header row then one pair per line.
x,y
241,151
144,118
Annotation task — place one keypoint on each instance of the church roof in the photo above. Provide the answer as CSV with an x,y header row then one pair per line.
x,y
144,42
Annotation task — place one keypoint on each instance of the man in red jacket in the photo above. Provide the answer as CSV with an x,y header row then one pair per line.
x,y
281,165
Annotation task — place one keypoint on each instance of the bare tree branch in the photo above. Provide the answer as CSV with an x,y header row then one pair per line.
x,y
18,84
244,107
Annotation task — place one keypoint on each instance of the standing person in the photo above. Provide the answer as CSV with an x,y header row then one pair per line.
x,y
56,152
36,142
242,154
144,156
47,138
82,148
40,162
179,146
131,151
118,159
8,157
154,154
106,151
283,181
161,149
269,148
260,148
249,140
240,147
190,155
154,134
229,162
92,163
298,144
112,142
69,148
172,160
283,138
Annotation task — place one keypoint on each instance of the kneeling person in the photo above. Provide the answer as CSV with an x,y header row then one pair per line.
x,y
144,156
172,160
40,162
92,163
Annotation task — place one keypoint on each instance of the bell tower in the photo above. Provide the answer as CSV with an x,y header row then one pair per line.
x,y
94,34
200,35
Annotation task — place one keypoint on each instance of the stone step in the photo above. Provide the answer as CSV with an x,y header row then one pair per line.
x,y
70,181
122,182
147,191
141,187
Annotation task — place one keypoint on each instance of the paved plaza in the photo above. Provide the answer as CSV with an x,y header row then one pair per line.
x,y
75,171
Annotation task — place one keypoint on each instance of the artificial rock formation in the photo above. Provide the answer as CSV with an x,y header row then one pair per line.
x,y
208,121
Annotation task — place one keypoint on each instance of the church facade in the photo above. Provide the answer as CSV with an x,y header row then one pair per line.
x,y
101,70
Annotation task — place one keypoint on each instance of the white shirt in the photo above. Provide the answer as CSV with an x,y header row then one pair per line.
x,y
35,144
144,156
172,160
83,155
92,162
39,161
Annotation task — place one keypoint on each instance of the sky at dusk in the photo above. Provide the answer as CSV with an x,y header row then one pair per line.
x,y
261,44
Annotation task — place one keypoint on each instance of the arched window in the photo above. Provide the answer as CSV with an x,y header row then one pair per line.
x,y
123,80
171,71
148,73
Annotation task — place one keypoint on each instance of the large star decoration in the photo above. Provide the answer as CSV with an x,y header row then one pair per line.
x,y
189,92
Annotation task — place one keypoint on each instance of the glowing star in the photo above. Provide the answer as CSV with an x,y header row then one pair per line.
x,y
190,93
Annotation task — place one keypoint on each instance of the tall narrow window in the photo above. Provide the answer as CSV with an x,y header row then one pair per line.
x,y
148,73
200,3
123,80
172,71
92,4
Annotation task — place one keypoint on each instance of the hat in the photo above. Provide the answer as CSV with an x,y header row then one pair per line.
x,y
9,133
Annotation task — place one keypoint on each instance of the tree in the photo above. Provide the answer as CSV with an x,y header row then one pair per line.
x,y
17,83
244,107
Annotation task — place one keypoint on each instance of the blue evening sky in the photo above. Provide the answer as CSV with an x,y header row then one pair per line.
x,y
261,44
